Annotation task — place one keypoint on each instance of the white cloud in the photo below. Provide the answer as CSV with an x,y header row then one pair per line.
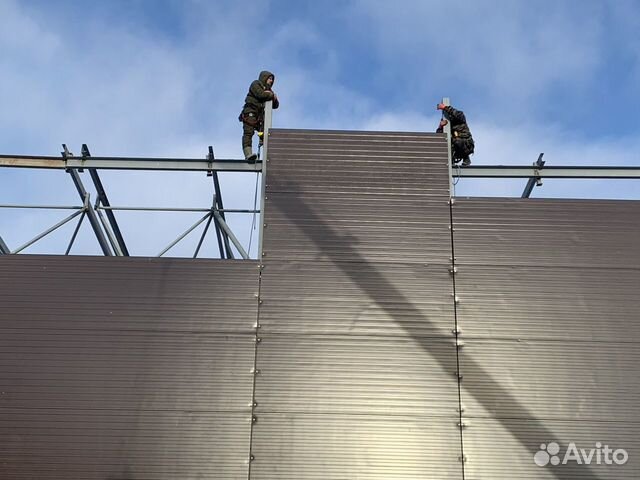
x,y
508,51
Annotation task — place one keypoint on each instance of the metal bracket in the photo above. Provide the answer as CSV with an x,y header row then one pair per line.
x,y
536,180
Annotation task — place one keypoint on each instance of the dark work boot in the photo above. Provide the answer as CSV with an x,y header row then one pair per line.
x,y
249,156
466,162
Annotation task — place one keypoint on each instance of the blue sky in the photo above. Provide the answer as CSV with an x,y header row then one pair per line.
x,y
167,78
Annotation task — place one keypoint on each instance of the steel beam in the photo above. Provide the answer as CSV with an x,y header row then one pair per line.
x,y
91,213
447,131
268,122
126,163
4,250
202,237
48,231
75,233
233,238
45,207
187,232
104,200
221,236
499,171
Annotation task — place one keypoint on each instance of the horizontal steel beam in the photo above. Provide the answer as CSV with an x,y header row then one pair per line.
x,y
117,163
499,171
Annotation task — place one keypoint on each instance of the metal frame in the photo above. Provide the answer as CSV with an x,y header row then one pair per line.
x,y
503,171
447,131
534,181
123,163
110,237
268,121
107,230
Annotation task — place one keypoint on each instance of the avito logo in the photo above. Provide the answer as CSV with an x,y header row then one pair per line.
x,y
600,455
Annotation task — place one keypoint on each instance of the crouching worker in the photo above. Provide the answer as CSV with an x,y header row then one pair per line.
x,y
252,116
461,140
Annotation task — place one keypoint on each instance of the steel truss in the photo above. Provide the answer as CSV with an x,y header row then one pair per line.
x,y
101,214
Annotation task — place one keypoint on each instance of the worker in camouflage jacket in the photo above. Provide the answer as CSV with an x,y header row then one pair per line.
x,y
252,116
461,140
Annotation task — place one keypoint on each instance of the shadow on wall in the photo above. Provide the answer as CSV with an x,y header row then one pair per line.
x,y
373,283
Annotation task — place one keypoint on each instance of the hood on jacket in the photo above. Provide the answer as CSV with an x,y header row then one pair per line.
x,y
264,75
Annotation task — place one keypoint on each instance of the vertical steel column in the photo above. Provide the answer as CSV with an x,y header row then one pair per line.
x,y
93,218
447,130
268,120
217,206
216,188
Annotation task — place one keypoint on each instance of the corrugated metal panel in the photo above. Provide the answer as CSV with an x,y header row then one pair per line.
x,y
360,202
560,380
60,444
339,447
126,370
126,367
357,360
548,314
543,302
151,294
356,375
585,233
505,449
363,162
356,298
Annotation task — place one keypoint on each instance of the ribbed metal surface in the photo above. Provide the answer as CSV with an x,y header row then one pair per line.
x,y
505,449
357,358
364,162
358,298
150,294
545,232
356,375
126,368
61,444
338,447
544,302
561,380
547,293
357,196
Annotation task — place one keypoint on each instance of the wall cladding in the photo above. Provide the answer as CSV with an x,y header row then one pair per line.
x,y
121,368
357,357
548,315
133,368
